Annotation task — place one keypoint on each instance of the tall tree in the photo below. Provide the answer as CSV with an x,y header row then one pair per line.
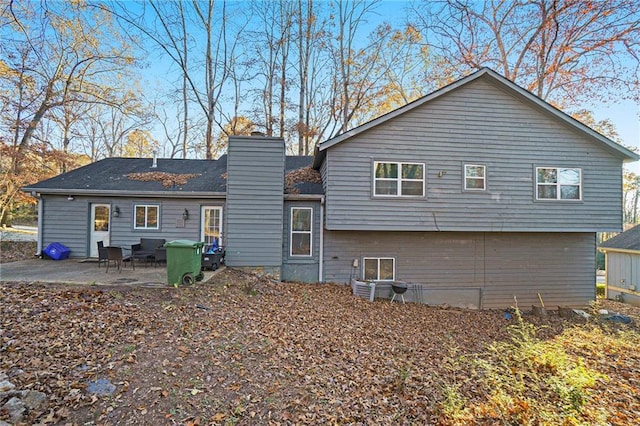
x,y
203,62
564,51
54,58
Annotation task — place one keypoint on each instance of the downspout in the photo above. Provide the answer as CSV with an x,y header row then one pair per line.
x,y
321,253
40,220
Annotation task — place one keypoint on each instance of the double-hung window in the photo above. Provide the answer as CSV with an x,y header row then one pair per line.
x,y
398,179
556,183
301,229
475,177
146,216
379,269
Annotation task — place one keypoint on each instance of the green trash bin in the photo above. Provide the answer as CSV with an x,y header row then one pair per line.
x,y
184,262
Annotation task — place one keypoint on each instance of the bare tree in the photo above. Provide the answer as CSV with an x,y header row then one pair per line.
x,y
563,51
206,74
53,60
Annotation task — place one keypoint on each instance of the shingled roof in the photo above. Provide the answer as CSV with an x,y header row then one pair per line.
x,y
627,240
175,177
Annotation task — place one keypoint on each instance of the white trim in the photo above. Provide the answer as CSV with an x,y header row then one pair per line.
x,y
203,217
291,232
558,185
365,258
146,216
483,178
399,180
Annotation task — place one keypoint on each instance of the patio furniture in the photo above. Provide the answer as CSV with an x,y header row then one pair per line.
x,y
145,250
160,255
102,253
114,254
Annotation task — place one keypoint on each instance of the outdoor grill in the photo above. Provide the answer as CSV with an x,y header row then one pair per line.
x,y
399,288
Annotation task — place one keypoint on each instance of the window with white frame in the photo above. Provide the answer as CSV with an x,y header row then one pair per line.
x,y
475,177
301,229
146,216
379,269
396,179
556,183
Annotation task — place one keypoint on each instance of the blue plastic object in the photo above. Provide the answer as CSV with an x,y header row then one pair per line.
x,y
213,247
622,319
57,251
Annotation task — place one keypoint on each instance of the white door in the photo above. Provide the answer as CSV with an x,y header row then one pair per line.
x,y
211,226
99,227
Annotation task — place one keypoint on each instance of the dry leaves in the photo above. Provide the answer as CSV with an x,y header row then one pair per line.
x,y
291,354
168,180
11,251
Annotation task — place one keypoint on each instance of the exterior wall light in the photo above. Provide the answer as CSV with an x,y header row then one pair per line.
x,y
70,197
116,212
185,214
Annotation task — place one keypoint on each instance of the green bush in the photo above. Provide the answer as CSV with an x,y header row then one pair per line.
x,y
522,380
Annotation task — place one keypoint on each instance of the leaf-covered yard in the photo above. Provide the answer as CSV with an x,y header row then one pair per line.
x,y
244,350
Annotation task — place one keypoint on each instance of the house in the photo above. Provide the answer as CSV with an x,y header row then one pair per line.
x,y
622,257
479,193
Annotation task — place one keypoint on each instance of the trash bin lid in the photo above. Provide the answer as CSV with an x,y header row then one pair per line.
x,y
184,243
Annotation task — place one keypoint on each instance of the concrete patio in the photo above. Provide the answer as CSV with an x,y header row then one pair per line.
x,y
86,271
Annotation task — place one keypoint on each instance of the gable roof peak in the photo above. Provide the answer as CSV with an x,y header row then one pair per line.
x,y
501,82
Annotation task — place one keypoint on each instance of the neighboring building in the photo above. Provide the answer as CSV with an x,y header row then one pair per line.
x,y
622,260
480,192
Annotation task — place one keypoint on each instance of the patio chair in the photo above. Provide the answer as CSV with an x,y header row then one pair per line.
x,y
114,254
160,256
102,253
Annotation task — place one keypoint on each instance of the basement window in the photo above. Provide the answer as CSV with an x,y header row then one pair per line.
x,y
379,269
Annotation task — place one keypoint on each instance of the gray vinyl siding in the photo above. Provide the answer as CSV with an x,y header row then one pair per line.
x,y
476,124
325,175
69,222
172,225
623,271
255,183
497,266
295,268
65,222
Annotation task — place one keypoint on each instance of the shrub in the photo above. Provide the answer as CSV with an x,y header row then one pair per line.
x,y
522,380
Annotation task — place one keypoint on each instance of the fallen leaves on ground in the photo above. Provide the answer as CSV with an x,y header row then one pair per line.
x,y
286,353
168,180
12,251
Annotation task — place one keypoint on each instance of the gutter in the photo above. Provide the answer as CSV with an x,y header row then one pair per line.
x,y
617,250
95,192
40,230
321,254
304,197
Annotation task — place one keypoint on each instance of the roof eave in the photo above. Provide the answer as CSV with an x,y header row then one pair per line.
x,y
303,197
618,250
120,193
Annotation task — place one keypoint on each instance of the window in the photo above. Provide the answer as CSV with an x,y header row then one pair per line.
x,y
379,269
398,179
300,240
211,226
146,216
553,183
475,177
